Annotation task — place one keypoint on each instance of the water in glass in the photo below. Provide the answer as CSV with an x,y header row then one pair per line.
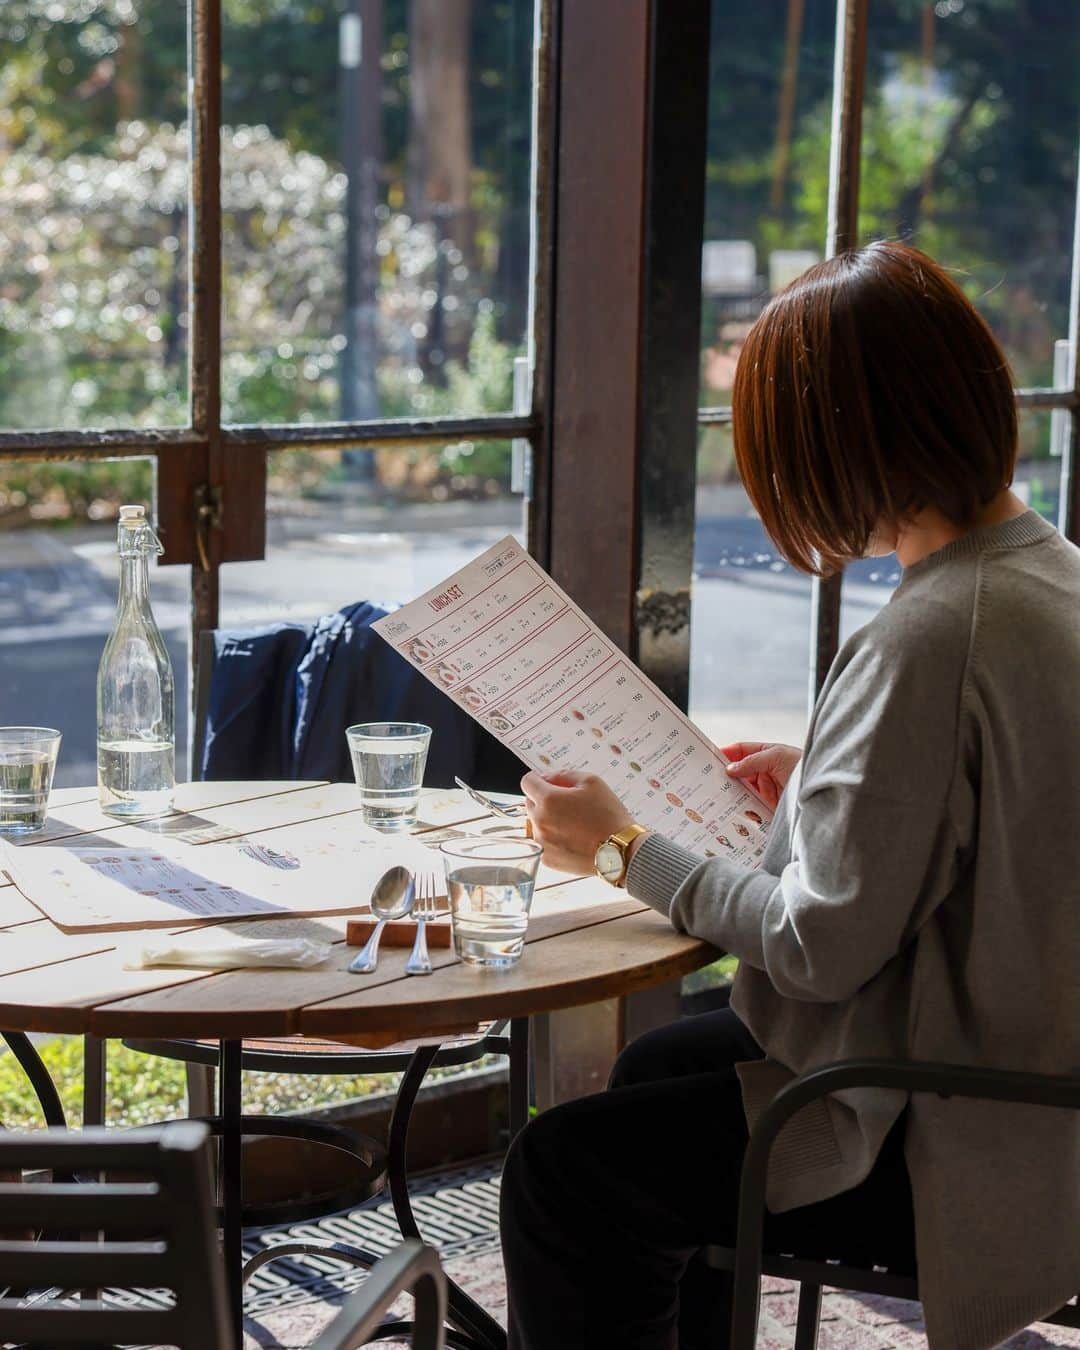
x,y
388,760
27,761
136,731
137,775
489,905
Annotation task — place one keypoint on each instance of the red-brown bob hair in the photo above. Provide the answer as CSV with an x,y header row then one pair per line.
x,y
867,390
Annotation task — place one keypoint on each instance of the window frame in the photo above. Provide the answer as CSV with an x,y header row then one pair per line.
x,y
211,475
849,85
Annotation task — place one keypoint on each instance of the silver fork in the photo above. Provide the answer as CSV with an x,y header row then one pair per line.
x,y
425,907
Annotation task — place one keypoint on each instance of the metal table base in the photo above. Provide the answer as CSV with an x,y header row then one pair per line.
x,y
472,1328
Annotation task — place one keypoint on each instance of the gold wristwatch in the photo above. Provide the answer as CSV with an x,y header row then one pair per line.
x,y
611,857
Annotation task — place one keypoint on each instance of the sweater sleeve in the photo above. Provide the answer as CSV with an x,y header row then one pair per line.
x,y
874,846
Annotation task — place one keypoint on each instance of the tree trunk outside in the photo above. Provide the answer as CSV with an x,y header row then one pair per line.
x,y
440,134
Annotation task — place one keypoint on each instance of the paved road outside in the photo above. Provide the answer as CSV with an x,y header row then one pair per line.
x,y
58,588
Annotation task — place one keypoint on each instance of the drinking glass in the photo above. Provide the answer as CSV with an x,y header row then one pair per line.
x,y
490,883
388,760
27,762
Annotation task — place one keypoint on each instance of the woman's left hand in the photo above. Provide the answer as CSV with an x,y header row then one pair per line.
x,y
572,814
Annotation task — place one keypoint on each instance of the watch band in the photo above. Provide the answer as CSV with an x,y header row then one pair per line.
x,y
622,842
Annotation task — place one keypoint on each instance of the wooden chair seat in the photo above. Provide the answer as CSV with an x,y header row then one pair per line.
x,y
319,1055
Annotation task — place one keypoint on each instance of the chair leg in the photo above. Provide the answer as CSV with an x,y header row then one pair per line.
x,y
93,1081
806,1326
201,1093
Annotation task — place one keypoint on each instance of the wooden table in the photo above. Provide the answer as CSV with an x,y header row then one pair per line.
x,y
585,943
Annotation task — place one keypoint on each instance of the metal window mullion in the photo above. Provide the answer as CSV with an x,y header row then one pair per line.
x,y
205,288
545,140
379,432
1069,499
849,79
70,443
1032,400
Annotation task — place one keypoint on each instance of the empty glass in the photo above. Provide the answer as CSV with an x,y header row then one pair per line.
x,y
388,760
490,883
27,763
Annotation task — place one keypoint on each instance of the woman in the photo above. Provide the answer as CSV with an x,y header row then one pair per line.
x,y
918,895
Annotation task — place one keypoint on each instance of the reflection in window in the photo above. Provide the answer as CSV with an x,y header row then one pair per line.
x,y
376,180
93,196
59,574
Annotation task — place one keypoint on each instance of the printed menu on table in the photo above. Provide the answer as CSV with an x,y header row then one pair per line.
x,y
290,873
501,639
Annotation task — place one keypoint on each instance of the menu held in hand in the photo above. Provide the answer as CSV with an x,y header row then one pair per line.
x,y
503,641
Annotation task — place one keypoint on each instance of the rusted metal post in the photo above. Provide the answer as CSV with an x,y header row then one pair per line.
x,y
205,214
849,80
1069,501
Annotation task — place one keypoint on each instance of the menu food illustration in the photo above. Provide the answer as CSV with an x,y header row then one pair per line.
x,y
503,641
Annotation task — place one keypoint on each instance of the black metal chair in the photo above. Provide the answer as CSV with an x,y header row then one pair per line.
x,y
363,1162
747,1260
148,1233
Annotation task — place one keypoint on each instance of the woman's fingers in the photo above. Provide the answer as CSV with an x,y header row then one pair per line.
x,y
740,749
753,762
537,786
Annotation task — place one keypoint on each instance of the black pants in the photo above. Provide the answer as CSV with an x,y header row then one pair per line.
x,y
606,1201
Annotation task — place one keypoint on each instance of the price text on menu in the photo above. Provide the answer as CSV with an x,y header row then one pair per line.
x,y
503,641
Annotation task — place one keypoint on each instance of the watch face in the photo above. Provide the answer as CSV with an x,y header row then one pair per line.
x,y
609,861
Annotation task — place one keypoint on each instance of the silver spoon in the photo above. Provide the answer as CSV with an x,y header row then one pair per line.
x,y
391,899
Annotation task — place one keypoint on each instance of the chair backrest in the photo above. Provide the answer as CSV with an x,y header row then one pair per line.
x,y
273,703
205,659
148,1225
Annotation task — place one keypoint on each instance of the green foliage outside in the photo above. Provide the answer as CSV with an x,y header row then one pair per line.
x,y
969,132
94,188
143,1089
713,976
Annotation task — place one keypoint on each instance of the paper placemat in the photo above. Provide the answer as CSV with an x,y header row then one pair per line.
x,y
113,889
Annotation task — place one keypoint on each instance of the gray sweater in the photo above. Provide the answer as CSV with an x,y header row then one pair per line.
x,y
920,898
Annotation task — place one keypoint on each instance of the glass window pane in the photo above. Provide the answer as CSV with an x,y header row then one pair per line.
x,y
59,574
93,196
869,582
331,541
770,94
750,627
376,187
969,149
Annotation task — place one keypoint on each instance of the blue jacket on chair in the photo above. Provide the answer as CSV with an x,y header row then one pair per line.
x,y
281,697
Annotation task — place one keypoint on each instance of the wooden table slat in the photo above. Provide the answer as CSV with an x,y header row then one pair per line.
x,y
238,1002
585,943
621,955
83,816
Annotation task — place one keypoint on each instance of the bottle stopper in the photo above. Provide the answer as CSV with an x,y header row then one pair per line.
x,y
132,516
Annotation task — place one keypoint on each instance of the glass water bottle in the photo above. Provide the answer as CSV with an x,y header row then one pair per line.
x,y
136,719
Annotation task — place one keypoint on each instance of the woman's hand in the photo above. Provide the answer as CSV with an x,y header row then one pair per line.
x,y
764,767
572,814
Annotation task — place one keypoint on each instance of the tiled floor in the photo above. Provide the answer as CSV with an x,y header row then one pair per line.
x,y
848,1322
868,1322
291,1305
